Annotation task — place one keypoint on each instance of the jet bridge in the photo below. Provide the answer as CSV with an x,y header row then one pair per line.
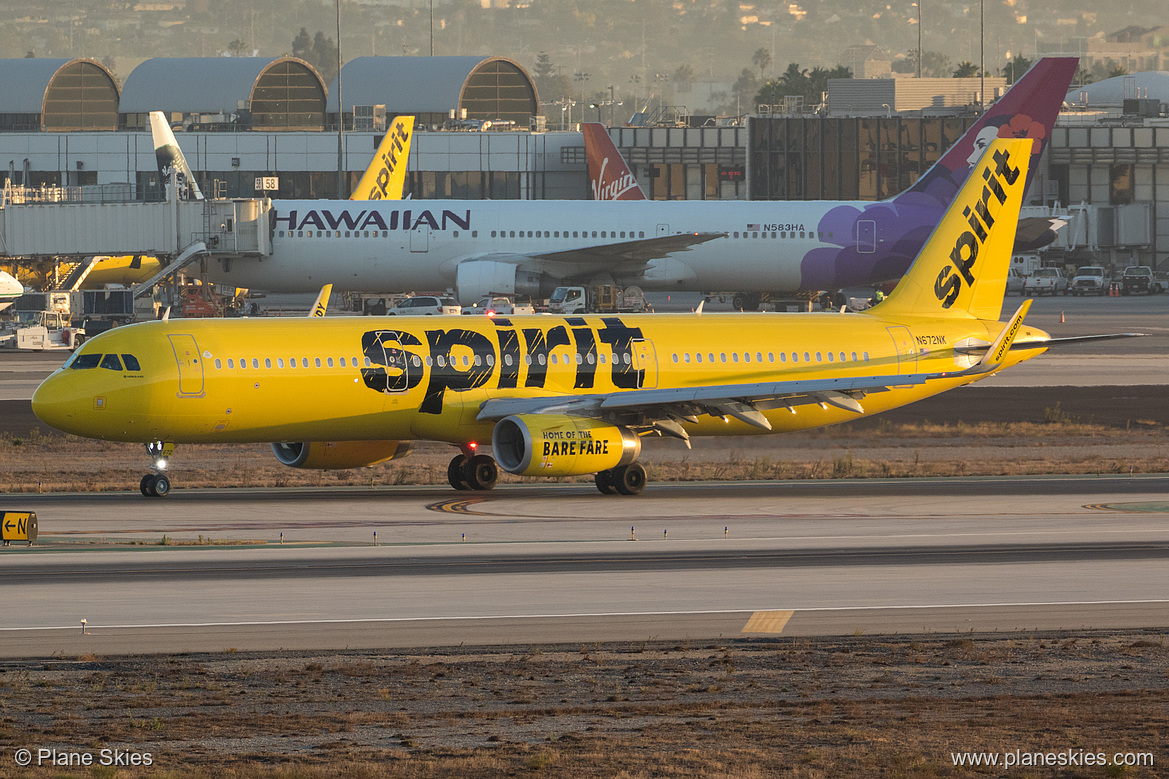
x,y
52,230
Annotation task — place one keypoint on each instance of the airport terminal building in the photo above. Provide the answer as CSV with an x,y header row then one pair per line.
x,y
480,135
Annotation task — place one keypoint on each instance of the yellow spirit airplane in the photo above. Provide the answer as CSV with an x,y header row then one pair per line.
x,y
558,396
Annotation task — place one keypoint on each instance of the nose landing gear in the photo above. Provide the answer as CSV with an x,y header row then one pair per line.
x,y
156,484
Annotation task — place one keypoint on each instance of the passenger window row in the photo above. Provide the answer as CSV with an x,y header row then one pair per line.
x,y
820,235
564,234
395,360
758,357
350,233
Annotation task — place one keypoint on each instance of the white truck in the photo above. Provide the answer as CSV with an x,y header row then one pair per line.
x,y
500,305
598,299
1090,280
1045,281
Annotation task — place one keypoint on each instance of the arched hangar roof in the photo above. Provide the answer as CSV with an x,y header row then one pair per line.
x,y
1111,91
488,87
59,94
280,92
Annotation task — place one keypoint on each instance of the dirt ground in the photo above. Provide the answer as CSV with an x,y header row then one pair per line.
x,y
854,706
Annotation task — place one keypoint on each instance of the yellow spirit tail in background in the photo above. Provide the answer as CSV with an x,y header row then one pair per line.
x,y
386,176
962,270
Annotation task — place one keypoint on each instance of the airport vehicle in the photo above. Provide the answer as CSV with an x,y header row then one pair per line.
x,y
496,305
10,290
1045,281
1090,280
47,330
1015,281
597,299
558,396
424,305
528,248
1139,278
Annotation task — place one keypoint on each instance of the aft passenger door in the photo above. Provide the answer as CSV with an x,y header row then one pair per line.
x,y
906,351
866,236
190,364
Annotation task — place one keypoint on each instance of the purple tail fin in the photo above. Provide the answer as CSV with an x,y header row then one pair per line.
x,y
1027,110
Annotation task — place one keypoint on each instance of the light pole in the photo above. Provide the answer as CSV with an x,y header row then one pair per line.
x,y
340,116
981,54
581,78
919,51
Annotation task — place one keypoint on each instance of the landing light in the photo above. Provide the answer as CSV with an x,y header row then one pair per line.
x,y
160,464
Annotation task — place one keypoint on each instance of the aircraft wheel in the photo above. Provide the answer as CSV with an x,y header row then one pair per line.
x,y
144,485
160,486
456,473
604,480
480,472
738,302
629,479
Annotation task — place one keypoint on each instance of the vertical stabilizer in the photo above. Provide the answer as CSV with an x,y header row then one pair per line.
x,y
171,160
1027,110
962,269
609,177
321,304
386,176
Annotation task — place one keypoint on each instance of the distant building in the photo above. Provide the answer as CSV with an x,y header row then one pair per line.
x,y
885,96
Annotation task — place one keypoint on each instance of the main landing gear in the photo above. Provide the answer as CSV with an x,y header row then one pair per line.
x,y
156,484
473,472
624,480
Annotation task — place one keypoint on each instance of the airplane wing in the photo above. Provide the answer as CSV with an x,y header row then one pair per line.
x,y
1035,232
641,250
663,410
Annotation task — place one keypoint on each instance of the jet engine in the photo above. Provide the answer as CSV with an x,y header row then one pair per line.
x,y
556,445
476,279
338,455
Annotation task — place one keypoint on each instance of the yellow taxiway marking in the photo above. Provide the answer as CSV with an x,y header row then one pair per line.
x,y
767,622
457,506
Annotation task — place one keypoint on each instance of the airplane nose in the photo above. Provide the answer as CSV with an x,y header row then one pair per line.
x,y
55,402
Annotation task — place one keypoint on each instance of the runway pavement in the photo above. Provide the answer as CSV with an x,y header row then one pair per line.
x,y
552,564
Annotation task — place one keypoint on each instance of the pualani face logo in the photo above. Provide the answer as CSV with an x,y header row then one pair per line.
x,y
459,360
964,255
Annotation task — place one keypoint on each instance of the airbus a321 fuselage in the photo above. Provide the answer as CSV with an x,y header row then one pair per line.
x,y
483,247
557,396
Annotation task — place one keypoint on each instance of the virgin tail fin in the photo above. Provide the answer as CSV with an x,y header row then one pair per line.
x,y
609,176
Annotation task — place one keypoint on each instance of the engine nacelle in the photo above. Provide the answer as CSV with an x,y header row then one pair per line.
x,y
477,279
338,455
555,445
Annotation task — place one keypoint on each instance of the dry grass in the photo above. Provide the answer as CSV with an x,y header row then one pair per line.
x,y
744,708
57,463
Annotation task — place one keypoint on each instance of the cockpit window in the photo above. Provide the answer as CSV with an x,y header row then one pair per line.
x,y
86,361
111,362
131,363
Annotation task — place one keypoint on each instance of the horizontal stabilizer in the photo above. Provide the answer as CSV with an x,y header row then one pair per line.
x,y
1050,342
